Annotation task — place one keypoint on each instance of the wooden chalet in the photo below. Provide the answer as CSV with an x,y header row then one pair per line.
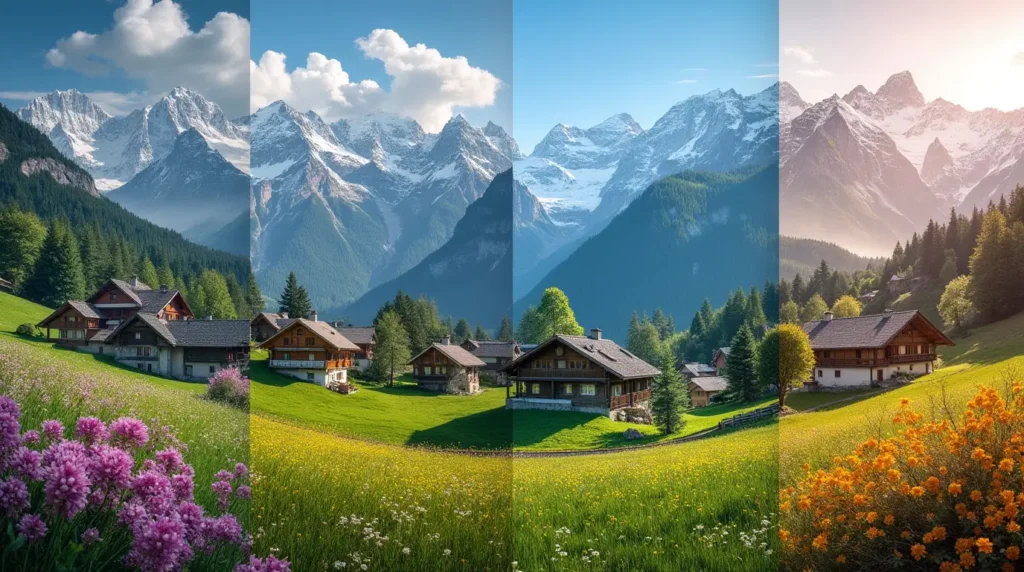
x,y
87,325
447,368
313,351
182,349
694,369
865,350
579,373
365,337
495,355
703,388
266,324
719,359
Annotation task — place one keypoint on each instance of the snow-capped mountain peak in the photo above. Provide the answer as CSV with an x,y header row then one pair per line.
x,y
900,89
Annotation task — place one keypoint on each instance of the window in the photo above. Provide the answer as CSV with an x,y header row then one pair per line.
x,y
903,350
820,374
911,367
442,370
427,370
138,335
617,390
588,389
560,364
287,341
72,319
287,356
311,356
309,376
535,388
858,354
212,368
310,340
838,373
567,389
828,354
113,296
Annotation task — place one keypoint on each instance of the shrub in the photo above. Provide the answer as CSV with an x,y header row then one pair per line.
x,y
942,494
229,386
26,329
95,495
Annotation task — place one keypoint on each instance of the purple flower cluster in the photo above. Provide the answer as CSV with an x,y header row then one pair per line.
x,y
270,564
229,386
95,472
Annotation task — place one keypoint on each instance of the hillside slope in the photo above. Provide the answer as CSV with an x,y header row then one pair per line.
x,y
803,255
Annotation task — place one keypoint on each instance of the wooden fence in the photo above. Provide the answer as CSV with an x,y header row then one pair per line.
x,y
750,416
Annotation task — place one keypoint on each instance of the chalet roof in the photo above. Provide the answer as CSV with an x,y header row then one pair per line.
x,y
457,354
158,326
710,383
82,308
604,352
496,349
699,369
726,350
322,329
358,334
872,331
154,300
124,287
101,335
270,317
209,333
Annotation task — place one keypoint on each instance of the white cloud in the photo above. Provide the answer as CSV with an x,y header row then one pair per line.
x,y
815,73
803,53
425,85
684,81
154,42
764,76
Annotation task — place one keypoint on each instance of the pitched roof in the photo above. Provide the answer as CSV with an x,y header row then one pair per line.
x,y
101,335
358,334
604,352
154,300
322,329
871,331
124,287
158,326
710,383
699,369
492,348
457,354
82,308
209,333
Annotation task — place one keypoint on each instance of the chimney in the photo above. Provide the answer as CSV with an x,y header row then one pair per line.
x,y
313,316
134,282
447,340
284,315
209,316
163,288
595,333
828,316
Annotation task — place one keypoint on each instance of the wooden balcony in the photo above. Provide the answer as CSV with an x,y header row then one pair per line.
x,y
875,362
619,401
531,373
310,364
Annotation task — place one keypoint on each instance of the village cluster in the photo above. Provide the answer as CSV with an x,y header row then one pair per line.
x,y
154,330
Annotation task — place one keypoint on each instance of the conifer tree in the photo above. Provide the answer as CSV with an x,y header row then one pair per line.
x,y
391,354
57,274
215,295
755,318
991,272
95,257
147,273
505,331
462,331
740,366
23,235
481,334
646,344
294,299
668,397
166,277
660,321
797,290
770,302
254,298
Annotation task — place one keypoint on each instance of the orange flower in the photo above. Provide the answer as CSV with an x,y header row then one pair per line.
x,y
917,492
1012,526
889,520
1012,552
918,551
820,542
1006,465
976,495
955,488
984,545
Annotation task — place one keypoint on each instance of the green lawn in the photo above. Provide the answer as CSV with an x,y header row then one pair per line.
x,y
802,401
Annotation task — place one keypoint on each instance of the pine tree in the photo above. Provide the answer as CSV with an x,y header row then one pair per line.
x,y
391,354
166,276
785,293
740,366
215,295
480,334
668,397
991,271
770,302
949,269
797,289
95,257
646,344
734,314
23,235
147,273
294,299
254,298
57,274
462,331
707,313
755,318
505,331
660,321
237,296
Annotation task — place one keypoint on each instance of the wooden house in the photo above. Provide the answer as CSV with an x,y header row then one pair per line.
x,y
182,349
703,388
495,355
87,325
266,324
719,359
863,350
313,351
365,337
579,373
694,369
447,368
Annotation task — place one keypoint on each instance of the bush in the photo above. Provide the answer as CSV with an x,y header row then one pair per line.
x,y
26,329
943,494
229,386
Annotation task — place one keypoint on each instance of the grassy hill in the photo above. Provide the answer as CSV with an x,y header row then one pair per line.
x,y
924,298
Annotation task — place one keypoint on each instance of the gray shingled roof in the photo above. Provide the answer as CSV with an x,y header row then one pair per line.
x,y
154,300
492,349
457,354
699,369
83,308
711,383
358,334
159,326
322,329
872,331
127,289
101,335
607,354
209,333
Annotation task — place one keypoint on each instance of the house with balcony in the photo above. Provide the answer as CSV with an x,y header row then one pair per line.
x,y
589,374
447,368
365,337
86,325
312,351
865,350
182,349
266,324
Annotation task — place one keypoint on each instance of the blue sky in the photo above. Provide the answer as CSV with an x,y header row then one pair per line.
x,y
580,62
478,31
40,25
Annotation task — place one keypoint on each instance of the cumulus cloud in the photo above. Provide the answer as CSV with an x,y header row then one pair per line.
x,y
815,73
153,41
425,85
805,54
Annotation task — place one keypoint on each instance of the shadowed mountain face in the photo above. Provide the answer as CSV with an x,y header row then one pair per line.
x,y
470,276
686,237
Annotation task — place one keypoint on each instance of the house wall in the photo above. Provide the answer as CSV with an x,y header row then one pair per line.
x,y
317,376
600,401
175,309
699,397
865,376
298,341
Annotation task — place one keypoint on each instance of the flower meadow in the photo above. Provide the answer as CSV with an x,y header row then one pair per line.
x,y
944,493
229,386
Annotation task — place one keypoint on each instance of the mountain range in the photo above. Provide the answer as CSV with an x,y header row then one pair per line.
x,y
868,169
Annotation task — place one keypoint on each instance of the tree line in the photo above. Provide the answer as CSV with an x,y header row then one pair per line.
x,y
51,264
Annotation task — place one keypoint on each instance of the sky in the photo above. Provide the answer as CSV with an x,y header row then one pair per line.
x,y
968,52
368,57
579,62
